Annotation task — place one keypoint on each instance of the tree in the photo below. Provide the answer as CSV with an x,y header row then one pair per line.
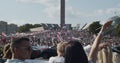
x,y
21,29
37,25
118,30
116,25
94,27
25,28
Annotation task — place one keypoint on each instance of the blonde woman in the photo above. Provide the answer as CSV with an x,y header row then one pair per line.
x,y
105,55
116,55
94,49
60,51
74,52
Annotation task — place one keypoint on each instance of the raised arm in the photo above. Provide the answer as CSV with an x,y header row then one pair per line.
x,y
94,50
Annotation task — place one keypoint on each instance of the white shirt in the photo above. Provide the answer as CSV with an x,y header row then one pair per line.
x,y
26,61
57,59
14,61
87,49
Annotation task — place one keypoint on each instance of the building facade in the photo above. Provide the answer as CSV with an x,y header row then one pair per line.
x,y
12,28
3,27
7,28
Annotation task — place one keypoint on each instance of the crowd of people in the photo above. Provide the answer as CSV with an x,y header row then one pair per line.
x,y
71,46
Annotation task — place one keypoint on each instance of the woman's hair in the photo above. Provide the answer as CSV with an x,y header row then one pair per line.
x,y
74,53
61,47
105,55
116,57
99,57
7,52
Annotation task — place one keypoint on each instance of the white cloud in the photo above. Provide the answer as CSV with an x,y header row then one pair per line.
x,y
73,13
52,9
52,12
17,21
44,2
106,11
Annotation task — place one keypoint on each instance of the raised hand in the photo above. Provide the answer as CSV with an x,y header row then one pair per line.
x,y
106,25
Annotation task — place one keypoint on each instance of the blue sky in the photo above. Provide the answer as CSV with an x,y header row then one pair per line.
x,y
48,11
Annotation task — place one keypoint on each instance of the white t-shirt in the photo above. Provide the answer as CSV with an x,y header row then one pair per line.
x,y
26,61
57,59
60,60
87,49
14,61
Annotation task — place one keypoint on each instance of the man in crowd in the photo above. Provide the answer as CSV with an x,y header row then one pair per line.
x,y
21,50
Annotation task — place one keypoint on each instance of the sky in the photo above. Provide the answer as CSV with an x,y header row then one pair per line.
x,y
80,12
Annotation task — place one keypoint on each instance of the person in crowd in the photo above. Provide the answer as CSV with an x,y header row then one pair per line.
x,y
116,54
60,51
88,47
7,54
74,52
94,49
21,50
116,57
105,55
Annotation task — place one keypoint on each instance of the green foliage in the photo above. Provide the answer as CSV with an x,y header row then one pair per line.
x,y
26,27
37,25
1,49
118,30
116,25
94,27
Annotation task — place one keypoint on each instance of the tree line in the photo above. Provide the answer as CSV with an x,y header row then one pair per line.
x,y
27,27
95,27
